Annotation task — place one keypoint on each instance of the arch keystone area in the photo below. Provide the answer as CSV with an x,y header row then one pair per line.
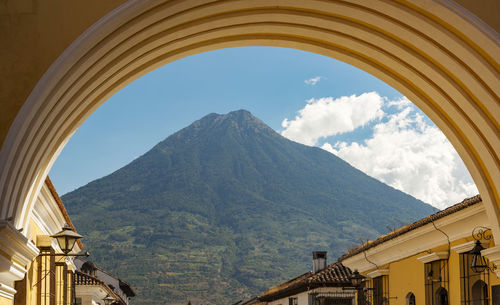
x,y
434,52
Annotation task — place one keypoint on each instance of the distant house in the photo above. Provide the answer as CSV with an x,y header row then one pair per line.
x,y
324,285
93,284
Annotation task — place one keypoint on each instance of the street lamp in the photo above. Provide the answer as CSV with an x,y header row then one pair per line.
x,y
66,238
356,278
357,281
478,264
108,300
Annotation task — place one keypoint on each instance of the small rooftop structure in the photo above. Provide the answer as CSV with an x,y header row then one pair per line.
x,y
334,275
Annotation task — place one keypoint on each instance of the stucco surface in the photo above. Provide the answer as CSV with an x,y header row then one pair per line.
x,y
33,33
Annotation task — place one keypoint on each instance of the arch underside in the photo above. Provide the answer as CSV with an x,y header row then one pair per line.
x,y
434,53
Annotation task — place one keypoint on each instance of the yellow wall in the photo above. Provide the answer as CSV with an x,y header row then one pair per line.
x,y
28,44
406,276
35,233
32,276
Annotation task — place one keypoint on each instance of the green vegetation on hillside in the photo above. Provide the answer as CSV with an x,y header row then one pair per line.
x,y
226,208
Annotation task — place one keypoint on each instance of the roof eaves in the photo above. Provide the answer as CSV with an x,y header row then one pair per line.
x,y
58,200
417,224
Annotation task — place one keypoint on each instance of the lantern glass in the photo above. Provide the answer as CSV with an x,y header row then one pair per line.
x,y
62,241
66,238
356,278
478,263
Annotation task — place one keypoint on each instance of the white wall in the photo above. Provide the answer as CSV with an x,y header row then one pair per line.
x,y
303,298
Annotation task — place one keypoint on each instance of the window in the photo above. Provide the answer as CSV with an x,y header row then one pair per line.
x,y
293,301
61,284
473,286
479,293
410,299
378,290
46,281
436,282
441,297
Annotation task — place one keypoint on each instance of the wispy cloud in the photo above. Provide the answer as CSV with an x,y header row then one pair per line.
x,y
404,151
313,81
326,117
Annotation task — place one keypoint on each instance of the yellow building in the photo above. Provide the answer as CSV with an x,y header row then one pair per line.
x,y
428,262
45,279
39,273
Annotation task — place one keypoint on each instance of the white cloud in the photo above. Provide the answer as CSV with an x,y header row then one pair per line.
x,y
326,117
313,81
405,151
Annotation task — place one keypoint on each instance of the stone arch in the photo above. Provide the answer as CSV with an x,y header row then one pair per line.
x,y
436,53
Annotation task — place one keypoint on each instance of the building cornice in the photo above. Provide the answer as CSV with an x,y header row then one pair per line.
x,y
435,256
493,256
377,273
466,247
16,254
16,245
7,291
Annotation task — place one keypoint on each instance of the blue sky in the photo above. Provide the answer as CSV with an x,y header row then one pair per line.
x,y
275,84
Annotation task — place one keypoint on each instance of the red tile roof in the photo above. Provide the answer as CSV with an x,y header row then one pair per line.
x,y
54,193
419,223
334,275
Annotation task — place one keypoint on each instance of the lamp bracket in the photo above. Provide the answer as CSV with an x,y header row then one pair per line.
x,y
482,233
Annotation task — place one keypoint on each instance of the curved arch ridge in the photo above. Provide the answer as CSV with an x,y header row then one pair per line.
x,y
434,52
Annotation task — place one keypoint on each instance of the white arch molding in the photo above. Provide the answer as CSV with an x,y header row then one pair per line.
x,y
433,51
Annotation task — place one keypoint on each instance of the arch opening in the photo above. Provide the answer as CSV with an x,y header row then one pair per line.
x,y
419,51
